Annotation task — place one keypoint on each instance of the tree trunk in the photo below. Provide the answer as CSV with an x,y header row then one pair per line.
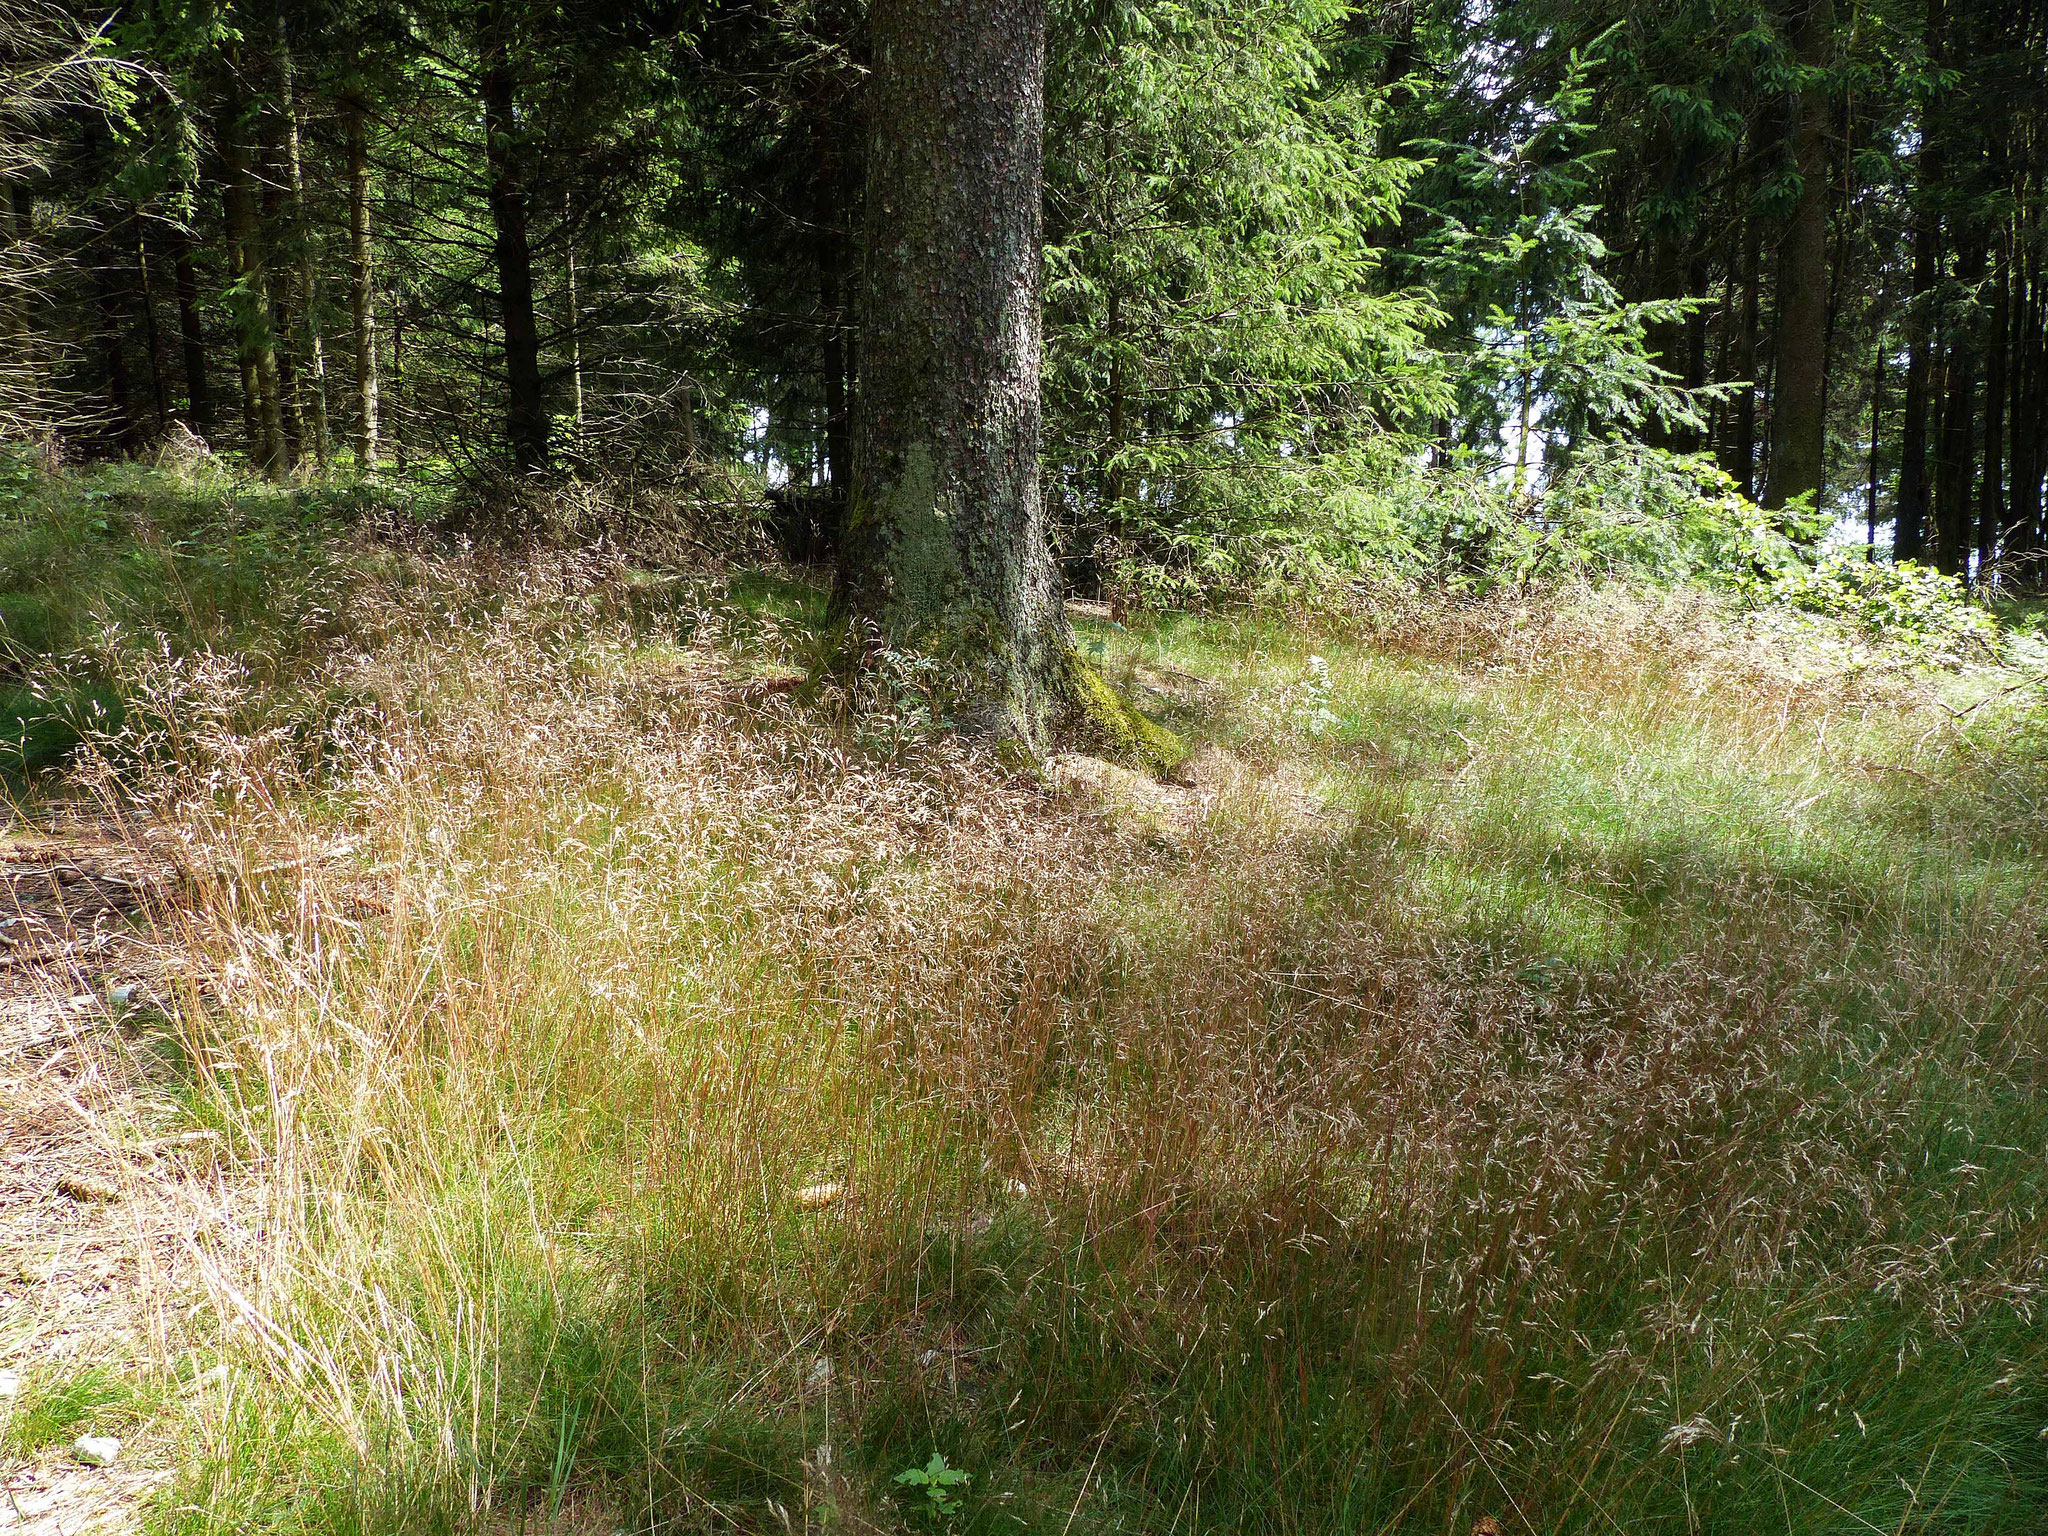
x,y
1991,499
109,290
398,449
152,337
255,345
1799,400
2029,421
191,337
1876,435
947,543
526,421
282,310
309,274
1956,456
361,296
1739,454
1909,536
574,325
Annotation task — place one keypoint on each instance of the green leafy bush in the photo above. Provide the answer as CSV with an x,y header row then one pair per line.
x,y
1904,604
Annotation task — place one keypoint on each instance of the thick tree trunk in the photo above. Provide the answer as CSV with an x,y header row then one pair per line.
x,y
1799,399
526,421
361,276
947,542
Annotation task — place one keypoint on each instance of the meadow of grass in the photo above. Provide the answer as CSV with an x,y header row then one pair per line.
x,y
1581,1067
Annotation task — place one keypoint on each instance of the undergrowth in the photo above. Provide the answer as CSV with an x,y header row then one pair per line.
x,y
1584,1070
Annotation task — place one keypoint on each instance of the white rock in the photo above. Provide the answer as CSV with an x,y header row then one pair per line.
x,y
812,1196
10,1383
96,1450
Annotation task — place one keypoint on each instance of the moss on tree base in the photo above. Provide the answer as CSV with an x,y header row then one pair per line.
x,y
1105,723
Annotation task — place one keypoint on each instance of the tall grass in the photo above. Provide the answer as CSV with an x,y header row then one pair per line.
x,y
1582,1074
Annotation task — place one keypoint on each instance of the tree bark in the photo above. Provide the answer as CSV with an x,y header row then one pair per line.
x,y
1876,435
191,337
309,273
255,345
283,319
526,421
361,295
109,290
152,337
1739,453
1909,535
1799,400
947,543
1991,498
1955,456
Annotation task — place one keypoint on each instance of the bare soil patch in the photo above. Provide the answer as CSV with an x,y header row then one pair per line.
x,y
91,1223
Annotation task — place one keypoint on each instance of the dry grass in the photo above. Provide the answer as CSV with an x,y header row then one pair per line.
x,y
655,1096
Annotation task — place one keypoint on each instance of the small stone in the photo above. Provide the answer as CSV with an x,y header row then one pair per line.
x,y
96,1450
10,1383
87,1190
812,1196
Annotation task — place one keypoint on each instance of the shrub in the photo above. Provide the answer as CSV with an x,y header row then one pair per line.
x,y
1904,604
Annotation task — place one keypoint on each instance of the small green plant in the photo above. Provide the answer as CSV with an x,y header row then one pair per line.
x,y
938,1482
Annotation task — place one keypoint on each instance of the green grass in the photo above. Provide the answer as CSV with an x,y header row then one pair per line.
x,y
1584,1069
118,557
54,1409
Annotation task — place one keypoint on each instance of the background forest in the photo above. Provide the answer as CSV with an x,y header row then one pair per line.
x,y
729,809
1292,251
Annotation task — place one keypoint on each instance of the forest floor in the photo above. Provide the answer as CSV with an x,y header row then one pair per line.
x,y
524,1042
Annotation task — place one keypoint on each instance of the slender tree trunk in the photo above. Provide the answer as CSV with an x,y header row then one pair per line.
x,y
361,294
838,418
574,326
283,319
309,268
1739,455
1991,499
2030,418
124,427
1955,457
947,542
191,338
1799,398
832,215
398,400
255,345
1876,435
1909,538
526,421
152,338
